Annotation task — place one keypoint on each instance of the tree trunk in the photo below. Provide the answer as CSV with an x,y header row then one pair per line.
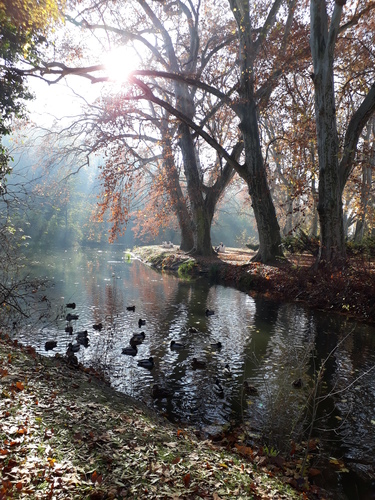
x,y
254,172
201,219
178,200
365,186
288,226
330,189
256,179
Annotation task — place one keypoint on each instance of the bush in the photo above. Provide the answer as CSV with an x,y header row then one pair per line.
x,y
186,269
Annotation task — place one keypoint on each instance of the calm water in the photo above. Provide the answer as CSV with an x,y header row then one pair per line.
x,y
269,344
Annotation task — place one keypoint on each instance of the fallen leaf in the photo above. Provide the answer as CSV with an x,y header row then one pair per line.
x,y
314,472
187,479
20,386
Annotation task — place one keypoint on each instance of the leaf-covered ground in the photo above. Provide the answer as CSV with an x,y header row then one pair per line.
x,y
349,291
64,434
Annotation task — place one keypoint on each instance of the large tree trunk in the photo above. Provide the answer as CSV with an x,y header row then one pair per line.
x,y
254,172
332,175
201,219
256,178
330,189
178,200
366,184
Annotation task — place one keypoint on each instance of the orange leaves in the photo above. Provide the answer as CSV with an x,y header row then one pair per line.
x,y
245,451
20,386
96,478
187,479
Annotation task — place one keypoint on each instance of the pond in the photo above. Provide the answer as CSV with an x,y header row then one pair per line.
x,y
277,348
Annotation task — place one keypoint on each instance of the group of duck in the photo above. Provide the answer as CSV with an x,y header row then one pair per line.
x,y
159,392
82,338
135,341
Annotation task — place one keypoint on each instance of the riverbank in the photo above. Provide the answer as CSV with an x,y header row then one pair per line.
x,y
348,291
65,434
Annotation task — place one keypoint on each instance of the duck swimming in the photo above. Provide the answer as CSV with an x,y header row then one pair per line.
x,y
72,348
98,327
81,334
139,336
50,344
130,351
141,322
146,363
160,392
71,305
135,341
177,345
198,363
298,383
69,329
217,345
70,317
209,312
130,308
227,371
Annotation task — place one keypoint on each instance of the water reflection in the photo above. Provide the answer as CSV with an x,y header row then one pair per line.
x,y
270,345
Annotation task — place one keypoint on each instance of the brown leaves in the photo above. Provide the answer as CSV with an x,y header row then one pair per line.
x,y
187,479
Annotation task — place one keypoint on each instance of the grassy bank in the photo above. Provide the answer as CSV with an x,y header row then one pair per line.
x,y
66,435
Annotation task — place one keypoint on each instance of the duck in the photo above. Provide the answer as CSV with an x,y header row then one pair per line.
x,y
98,327
227,371
141,322
250,389
50,344
210,312
82,338
177,345
297,383
218,388
130,308
192,329
160,392
146,363
71,305
81,334
139,336
134,341
69,329
71,359
198,363
70,317
216,345
83,341
130,351
72,348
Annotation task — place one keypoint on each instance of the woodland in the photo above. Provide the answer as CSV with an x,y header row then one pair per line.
x,y
248,122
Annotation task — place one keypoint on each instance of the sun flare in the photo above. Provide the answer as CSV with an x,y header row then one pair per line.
x,y
120,62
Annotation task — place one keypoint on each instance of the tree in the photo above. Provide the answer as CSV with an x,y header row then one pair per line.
x,y
23,26
192,75
335,162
